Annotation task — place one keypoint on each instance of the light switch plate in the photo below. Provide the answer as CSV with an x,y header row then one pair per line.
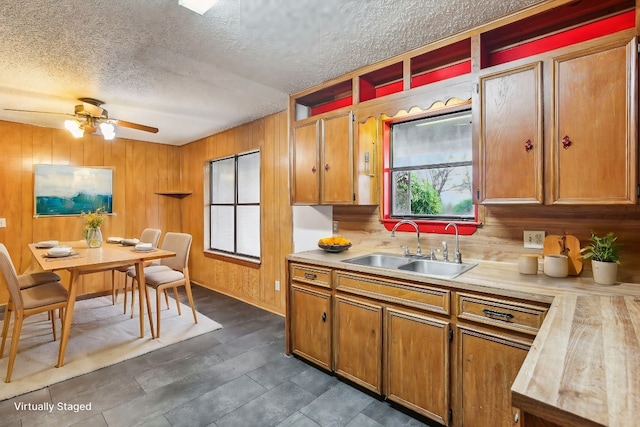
x,y
534,239
335,228
3,222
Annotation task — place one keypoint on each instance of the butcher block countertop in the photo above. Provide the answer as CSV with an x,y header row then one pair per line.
x,y
583,368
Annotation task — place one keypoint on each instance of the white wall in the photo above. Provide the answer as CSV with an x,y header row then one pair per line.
x,y
310,224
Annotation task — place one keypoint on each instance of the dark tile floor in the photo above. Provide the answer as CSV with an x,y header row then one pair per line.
x,y
236,376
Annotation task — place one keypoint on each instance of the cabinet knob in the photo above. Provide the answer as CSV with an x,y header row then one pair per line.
x,y
326,167
313,169
516,417
566,142
528,146
324,317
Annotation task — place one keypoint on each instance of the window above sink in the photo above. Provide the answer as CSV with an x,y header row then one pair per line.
x,y
427,168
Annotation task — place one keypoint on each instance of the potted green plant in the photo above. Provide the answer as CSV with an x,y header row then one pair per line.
x,y
605,257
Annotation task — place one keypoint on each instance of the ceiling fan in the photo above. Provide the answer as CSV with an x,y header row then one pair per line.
x,y
89,116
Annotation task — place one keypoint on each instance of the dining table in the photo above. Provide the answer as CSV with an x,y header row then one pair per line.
x,y
84,260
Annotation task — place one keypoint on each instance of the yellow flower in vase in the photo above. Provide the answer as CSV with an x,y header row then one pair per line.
x,y
92,222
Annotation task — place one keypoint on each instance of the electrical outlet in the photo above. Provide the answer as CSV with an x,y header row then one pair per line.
x,y
3,222
334,227
277,285
534,239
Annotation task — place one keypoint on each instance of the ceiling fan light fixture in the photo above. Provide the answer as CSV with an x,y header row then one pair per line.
x,y
75,127
198,6
108,131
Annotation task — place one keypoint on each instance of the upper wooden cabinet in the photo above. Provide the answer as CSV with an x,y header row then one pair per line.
x,y
511,136
594,145
588,155
555,111
322,161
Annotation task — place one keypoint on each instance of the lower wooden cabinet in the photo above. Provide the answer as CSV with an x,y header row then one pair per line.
x,y
449,356
417,362
311,329
358,342
488,363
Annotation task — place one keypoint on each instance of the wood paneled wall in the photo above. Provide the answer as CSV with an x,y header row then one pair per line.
x,y
501,236
140,168
251,283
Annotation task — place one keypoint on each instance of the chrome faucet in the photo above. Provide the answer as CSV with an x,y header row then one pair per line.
x,y
407,221
457,257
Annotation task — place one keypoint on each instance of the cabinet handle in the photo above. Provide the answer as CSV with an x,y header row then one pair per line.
x,y
326,167
507,317
528,146
566,142
313,169
324,317
310,276
516,417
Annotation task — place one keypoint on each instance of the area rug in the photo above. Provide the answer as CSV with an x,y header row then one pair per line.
x,y
101,335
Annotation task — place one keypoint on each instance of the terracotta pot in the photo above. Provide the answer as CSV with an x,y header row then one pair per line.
x,y
604,273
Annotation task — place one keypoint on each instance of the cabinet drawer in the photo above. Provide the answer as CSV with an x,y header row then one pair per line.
x,y
411,295
317,276
504,313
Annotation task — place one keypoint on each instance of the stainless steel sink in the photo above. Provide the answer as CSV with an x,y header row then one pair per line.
x,y
379,260
443,269
425,267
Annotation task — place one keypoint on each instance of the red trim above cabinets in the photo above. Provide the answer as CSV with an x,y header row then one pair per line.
x,y
441,74
585,32
333,105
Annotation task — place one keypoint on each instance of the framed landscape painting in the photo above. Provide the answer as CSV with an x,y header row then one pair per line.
x,y
71,190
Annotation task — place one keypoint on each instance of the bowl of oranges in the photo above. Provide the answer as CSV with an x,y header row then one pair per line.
x,y
334,244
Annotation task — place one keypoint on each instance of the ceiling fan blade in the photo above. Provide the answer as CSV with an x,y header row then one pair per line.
x,y
137,126
39,112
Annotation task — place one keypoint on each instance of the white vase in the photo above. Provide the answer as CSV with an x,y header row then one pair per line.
x,y
94,237
604,273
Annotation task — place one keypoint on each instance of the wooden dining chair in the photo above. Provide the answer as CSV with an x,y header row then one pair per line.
x,y
44,297
172,273
149,235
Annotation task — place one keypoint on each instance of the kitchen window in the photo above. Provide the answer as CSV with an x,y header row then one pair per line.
x,y
234,211
428,169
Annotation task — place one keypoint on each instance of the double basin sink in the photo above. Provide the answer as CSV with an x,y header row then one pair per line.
x,y
412,264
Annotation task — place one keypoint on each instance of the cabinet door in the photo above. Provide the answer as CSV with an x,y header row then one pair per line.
x,y
510,146
367,175
305,173
358,342
594,152
417,363
488,365
337,160
311,324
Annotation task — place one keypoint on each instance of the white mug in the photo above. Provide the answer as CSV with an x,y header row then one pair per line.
x,y
556,265
528,264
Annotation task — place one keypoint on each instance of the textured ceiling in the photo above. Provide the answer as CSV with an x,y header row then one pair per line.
x,y
156,63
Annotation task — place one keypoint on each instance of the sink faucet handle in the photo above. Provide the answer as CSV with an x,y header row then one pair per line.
x,y
406,250
445,251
